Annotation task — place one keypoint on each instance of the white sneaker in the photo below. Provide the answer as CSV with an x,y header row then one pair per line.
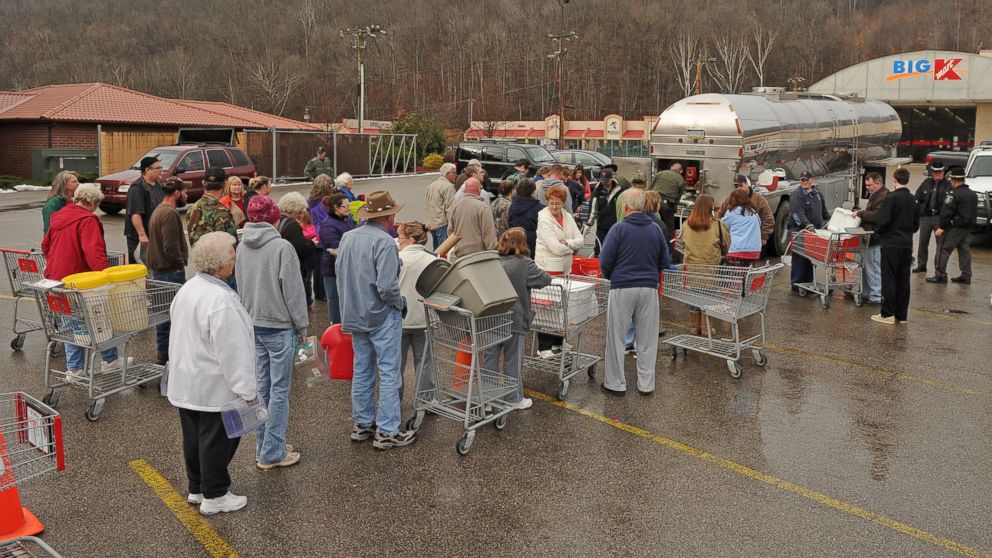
x,y
76,376
195,499
107,367
226,503
524,403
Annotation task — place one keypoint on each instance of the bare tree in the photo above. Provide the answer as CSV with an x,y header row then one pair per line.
x,y
763,39
731,62
307,18
273,82
684,52
491,127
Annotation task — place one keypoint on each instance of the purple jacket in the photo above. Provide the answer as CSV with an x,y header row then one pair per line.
x,y
330,237
317,213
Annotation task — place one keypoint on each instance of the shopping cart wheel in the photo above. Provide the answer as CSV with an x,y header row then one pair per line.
x,y
759,357
17,343
51,398
675,353
562,392
591,371
415,421
825,301
93,412
801,291
859,301
464,442
55,349
500,423
735,369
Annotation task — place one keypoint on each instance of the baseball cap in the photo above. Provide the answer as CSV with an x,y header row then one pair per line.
x,y
214,174
740,179
320,149
805,175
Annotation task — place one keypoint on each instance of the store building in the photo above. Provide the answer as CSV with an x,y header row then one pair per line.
x,y
612,135
943,97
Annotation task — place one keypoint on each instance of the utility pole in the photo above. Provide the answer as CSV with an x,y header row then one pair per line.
x,y
558,43
361,36
700,62
471,106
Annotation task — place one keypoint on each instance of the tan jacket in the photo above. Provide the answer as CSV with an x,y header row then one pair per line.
x,y
472,220
703,247
439,203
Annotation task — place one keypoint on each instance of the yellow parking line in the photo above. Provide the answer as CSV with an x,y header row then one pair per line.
x,y
885,372
770,480
195,523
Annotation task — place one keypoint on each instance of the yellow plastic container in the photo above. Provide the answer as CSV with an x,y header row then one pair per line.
x,y
128,301
97,326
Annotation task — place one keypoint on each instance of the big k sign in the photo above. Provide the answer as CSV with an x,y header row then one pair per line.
x,y
916,78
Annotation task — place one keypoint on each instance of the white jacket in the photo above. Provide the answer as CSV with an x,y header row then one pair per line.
x,y
551,254
211,347
415,258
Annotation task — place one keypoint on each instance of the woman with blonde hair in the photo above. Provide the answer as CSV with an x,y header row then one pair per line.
x,y
259,185
524,275
415,257
234,199
706,240
63,187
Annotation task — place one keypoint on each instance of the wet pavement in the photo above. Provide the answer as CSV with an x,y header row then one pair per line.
x,y
855,438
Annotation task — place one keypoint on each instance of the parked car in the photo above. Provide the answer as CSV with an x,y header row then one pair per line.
x,y
978,176
499,157
947,158
187,161
591,161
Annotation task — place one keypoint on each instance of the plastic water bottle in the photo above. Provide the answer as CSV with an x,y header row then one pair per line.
x,y
242,417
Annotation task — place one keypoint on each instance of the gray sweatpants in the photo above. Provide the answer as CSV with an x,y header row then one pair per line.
x,y
415,340
513,360
639,305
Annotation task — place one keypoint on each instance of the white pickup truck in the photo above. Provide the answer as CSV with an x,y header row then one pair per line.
x,y
979,178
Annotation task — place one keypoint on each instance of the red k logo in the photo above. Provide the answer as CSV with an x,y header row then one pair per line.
x,y
943,69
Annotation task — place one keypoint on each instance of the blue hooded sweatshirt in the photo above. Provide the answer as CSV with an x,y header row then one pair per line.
x,y
634,253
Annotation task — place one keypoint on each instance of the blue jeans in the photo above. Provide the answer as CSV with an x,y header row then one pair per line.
x,y
630,334
274,354
333,302
162,330
378,347
75,356
439,235
871,275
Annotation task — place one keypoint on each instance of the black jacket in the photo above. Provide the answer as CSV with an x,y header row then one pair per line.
x,y
870,213
960,210
807,208
523,213
924,193
606,207
897,219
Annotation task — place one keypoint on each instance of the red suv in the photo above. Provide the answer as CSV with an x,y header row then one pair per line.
x,y
187,161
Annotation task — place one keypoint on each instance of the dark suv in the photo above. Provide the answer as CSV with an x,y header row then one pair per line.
x,y
499,157
187,161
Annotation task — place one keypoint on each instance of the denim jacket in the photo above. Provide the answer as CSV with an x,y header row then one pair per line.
x,y
368,271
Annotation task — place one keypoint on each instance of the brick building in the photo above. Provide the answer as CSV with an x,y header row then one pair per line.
x,y
102,128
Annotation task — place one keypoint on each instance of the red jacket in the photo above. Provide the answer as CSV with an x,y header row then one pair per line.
x,y
74,243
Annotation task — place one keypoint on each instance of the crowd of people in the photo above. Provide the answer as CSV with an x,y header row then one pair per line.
x,y
260,263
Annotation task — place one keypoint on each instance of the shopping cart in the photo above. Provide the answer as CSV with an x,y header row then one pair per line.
x,y
461,389
26,547
837,258
725,293
30,446
565,308
97,322
23,268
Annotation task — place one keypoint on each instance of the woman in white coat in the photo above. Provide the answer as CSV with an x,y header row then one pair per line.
x,y
415,257
558,237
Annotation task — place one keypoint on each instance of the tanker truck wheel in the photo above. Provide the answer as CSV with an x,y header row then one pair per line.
x,y
779,243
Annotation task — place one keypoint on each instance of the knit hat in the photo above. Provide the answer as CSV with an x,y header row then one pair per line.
x,y
146,162
261,209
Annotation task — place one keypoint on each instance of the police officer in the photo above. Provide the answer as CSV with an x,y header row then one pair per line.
x,y
929,199
957,217
319,165
808,210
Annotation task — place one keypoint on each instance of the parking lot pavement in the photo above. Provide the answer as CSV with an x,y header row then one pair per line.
x,y
855,438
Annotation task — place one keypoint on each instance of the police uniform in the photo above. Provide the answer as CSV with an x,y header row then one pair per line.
x,y
807,208
957,217
929,200
317,166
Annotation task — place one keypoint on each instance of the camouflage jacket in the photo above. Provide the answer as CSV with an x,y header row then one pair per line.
x,y
316,167
209,215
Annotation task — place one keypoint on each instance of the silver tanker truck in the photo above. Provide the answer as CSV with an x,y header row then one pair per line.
x,y
775,135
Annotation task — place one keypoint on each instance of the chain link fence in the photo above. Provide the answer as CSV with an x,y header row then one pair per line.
x,y
282,155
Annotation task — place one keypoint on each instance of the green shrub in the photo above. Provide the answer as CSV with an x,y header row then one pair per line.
x,y
7,182
434,161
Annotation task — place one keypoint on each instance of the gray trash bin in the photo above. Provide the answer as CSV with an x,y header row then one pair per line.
x,y
478,279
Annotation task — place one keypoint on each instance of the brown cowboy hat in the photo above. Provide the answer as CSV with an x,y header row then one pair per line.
x,y
378,204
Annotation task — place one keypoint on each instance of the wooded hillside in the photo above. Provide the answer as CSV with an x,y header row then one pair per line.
x,y
632,57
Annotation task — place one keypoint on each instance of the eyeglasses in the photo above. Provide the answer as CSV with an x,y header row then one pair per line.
x,y
156,168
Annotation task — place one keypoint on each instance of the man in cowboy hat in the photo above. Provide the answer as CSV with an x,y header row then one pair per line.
x,y
957,217
368,279
929,199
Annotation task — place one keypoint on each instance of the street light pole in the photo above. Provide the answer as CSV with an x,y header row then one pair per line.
x,y
361,36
